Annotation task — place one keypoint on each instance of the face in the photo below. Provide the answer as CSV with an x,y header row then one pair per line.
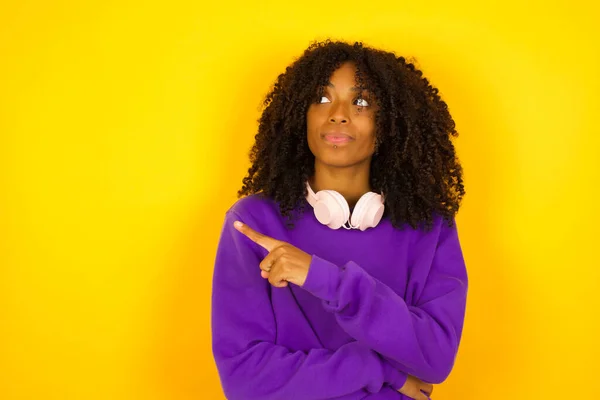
x,y
341,123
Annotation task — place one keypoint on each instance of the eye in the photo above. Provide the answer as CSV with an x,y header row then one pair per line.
x,y
364,102
322,97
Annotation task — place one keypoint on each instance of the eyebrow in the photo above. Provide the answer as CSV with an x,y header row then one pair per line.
x,y
353,88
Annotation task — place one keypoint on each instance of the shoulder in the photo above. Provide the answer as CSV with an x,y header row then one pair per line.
x,y
252,205
425,243
256,208
440,227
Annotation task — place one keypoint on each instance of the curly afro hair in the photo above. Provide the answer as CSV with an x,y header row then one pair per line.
x,y
415,164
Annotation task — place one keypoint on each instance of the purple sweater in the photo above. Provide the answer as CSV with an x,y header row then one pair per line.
x,y
376,305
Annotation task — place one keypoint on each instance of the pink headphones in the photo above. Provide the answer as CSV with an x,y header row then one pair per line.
x,y
331,209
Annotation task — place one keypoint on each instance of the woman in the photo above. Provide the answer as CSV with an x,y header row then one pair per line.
x,y
364,296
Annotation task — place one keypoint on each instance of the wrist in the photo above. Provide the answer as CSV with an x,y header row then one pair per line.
x,y
395,378
322,279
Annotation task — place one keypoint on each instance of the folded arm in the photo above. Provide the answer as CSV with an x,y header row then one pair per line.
x,y
419,335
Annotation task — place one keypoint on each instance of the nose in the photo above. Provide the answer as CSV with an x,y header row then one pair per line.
x,y
339,113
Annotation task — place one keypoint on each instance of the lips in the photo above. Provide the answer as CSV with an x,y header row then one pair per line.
x,y
337,137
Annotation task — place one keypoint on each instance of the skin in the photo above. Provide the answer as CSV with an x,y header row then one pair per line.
x,y
344,168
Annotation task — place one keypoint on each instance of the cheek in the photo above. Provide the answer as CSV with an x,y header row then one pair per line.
x,y
368,134
311,134
313,124
313,120
366,146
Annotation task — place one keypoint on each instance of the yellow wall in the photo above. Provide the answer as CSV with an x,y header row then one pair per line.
x,y
124,134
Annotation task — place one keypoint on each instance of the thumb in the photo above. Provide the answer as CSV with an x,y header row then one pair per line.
x,y
416,395
423,396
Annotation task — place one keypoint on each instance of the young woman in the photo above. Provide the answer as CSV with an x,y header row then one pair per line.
x,y
364,295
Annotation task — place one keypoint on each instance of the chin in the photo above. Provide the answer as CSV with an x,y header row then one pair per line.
x,y
339,160
343,156
337,163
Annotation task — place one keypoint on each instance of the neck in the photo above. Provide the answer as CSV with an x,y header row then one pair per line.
x,y
350,182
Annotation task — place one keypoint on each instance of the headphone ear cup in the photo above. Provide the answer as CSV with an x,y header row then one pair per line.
x,y
359,211
368,211
331,209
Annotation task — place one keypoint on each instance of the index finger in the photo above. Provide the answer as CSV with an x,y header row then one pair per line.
x,y
265,241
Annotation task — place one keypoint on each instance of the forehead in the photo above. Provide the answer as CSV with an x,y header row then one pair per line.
x,y
346,71
344,78
345,75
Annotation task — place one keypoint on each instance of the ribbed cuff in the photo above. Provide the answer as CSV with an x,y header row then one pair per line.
x,y
323,279
396,379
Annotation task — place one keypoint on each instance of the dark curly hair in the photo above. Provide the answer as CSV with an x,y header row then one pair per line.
x,y
415,165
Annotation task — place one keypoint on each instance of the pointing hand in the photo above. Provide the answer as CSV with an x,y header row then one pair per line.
x,y
284,263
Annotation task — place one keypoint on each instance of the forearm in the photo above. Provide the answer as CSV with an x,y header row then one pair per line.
x,y
268,371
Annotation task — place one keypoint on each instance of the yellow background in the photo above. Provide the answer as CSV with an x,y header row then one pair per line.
x,y
124,131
